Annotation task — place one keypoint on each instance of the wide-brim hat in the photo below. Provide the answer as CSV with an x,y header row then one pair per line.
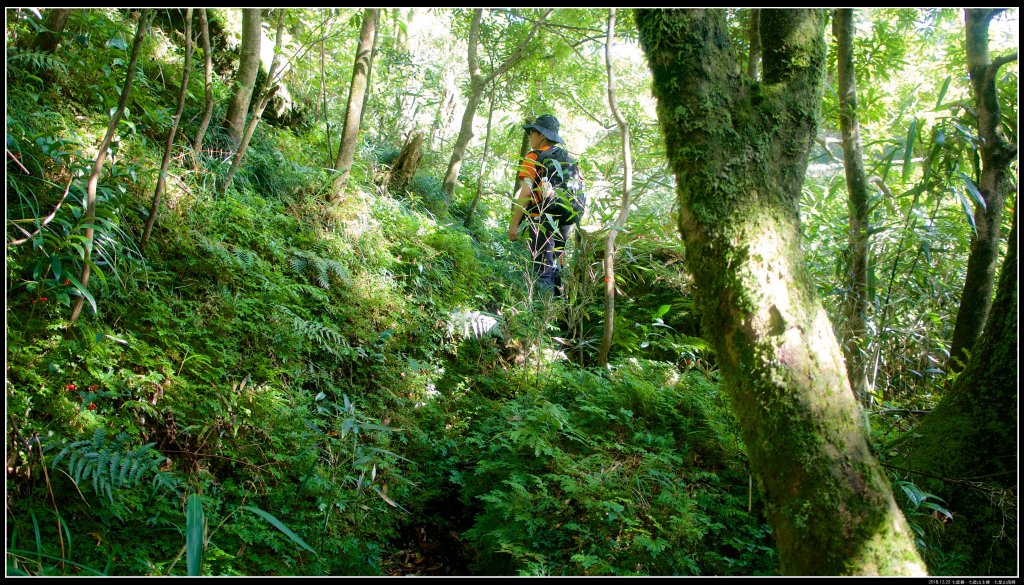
x,y
547,125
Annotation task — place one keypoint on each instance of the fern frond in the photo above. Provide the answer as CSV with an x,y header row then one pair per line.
x,y
299,291
322,277
321,335
472,324
108,465
36,59
322,268
123,474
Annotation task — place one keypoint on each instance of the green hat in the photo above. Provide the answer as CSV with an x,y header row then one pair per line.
x,y
547,125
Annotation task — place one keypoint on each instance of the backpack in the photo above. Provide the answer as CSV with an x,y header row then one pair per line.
x,y
567,201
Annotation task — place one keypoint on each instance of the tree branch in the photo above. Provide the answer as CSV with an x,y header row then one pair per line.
x,y
519,50
598,32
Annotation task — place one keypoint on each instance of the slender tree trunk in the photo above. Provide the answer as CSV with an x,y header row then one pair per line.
x,y
483,164
245,79
754,56
204,34
400,42
739,170
271,89
321,96
451,176
855,333
356,93
90,208
996,181
327,111
627,188
48,39
477,83
445,110
969,440
369,68
161,179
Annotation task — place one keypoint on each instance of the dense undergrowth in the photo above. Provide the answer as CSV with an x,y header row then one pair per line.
x,y
339,385
315,375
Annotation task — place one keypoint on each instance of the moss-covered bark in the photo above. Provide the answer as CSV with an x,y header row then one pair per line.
x,y
856,308
997,180
965,450
739,151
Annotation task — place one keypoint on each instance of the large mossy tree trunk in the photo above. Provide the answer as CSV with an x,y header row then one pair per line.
x,y
483,164
754,38
997,180
965,450
245,78
739,151
266,94
855,333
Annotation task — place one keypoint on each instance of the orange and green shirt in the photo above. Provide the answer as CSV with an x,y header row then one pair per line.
x,y
530,169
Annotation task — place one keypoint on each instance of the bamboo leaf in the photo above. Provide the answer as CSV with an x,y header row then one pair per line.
x,y
194,535
277,524
914,493
58,559
346,425
972,189
908,151
389,501
942,92
82,290
39,539
56,266
968,210
67,532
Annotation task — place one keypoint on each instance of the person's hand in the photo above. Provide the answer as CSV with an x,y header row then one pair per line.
x,y
512,235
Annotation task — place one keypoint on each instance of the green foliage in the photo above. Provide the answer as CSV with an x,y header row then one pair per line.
x,y
641,473
229,360
110,465
923,507
40,60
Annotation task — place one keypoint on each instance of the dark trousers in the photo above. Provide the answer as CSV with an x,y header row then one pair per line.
x,y
547,246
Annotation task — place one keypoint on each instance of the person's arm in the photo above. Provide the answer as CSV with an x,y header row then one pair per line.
x,y
519,209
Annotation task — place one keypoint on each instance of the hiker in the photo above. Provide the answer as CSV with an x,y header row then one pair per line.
x,y
547,234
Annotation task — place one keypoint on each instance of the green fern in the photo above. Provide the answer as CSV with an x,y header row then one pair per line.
x,y
111,465
36,59
298,292
230,255
244,259
321,268
475,324
321,335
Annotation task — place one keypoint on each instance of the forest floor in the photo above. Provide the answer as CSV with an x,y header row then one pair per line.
x,y
428,551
